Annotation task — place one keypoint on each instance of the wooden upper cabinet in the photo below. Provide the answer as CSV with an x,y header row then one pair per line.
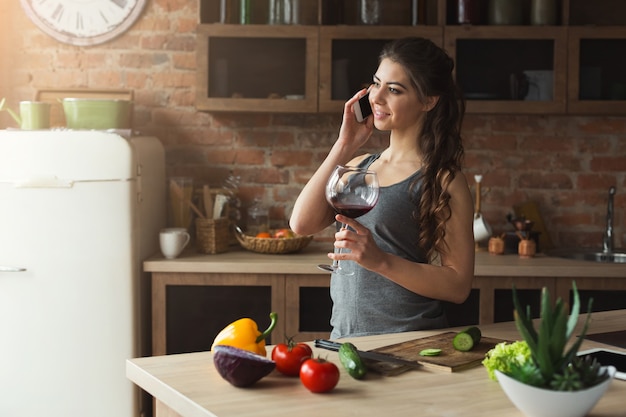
x,y
327,54
257,68
597,70
510,69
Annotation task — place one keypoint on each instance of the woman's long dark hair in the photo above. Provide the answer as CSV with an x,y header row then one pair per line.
x,y
430,71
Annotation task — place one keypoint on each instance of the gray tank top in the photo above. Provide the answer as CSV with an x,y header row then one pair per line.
x,y
366,303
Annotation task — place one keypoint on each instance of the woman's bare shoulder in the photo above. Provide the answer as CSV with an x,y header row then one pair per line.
x,y
358,159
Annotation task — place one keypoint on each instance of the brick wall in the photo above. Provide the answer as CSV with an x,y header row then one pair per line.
x,y
563,163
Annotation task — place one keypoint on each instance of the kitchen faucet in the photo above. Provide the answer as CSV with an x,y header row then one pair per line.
x,y
607,239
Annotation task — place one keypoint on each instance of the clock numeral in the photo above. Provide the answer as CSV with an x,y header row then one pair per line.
x,y
79,21
120,3
58,12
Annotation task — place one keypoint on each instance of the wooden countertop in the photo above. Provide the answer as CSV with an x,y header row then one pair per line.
x,y
188,385
240,261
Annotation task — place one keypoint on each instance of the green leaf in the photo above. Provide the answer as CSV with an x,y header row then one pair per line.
x,y
571,353
573,318
523,321
544,352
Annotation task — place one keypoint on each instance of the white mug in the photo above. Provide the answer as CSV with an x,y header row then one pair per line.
x,y
482,230
540,85
173,240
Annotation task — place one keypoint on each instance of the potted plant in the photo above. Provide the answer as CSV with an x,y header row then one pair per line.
x,y
542,374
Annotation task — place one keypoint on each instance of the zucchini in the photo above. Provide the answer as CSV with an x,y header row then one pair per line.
x,y
351,361
467,339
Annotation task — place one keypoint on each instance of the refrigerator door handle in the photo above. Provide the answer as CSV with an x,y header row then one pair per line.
x,y
11,269
44,182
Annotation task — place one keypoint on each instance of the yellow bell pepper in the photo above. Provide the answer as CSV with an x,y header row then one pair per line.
x,y
244,334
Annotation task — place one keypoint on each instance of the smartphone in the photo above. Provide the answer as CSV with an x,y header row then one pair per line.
x,y
608,357
362,108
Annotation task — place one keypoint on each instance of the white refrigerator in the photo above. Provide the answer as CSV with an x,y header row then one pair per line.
x,y
79,212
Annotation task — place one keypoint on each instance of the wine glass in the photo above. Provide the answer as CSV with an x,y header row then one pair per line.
x,y
351,191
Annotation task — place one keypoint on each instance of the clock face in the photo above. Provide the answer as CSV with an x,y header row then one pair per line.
x,y
83,22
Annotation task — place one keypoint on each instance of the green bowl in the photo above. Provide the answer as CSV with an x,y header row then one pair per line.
x,y
97,114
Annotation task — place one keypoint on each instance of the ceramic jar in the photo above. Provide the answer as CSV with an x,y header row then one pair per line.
x,y
543,12
505,12
468,12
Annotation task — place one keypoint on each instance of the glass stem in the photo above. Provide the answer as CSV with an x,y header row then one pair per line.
x,y
336,261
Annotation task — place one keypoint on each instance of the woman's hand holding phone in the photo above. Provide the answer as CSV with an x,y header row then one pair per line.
x,y
354,134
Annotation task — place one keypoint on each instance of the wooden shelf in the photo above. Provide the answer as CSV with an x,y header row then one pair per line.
x,y
314,68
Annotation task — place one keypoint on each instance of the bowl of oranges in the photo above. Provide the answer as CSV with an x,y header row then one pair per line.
x,y
278,241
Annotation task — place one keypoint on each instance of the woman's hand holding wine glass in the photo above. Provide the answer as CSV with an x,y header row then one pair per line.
x,y
352,192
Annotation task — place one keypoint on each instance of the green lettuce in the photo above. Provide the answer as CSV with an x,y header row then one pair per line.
x,y
507,357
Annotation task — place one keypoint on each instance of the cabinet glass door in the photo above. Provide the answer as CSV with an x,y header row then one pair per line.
x,y
505,71
257,68
597,69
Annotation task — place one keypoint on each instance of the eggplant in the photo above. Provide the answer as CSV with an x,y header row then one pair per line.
x,y
240,367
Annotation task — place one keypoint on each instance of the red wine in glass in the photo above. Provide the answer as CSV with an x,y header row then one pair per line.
x,y
353,192
351,210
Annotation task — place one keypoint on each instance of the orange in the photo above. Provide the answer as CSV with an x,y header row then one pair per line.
x,y
263,235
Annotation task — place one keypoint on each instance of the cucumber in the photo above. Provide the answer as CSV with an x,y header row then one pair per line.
x,y
430,352
463,342
475,333
351,361
467,339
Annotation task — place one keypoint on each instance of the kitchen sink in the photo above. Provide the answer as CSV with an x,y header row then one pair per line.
x,y
594,255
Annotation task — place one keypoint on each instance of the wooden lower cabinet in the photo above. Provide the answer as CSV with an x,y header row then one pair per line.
x,y
189,309
308,306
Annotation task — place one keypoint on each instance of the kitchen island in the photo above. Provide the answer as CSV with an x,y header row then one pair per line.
x,y
285,279
188,385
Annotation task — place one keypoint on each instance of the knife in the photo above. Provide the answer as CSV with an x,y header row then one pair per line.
x,y
375,356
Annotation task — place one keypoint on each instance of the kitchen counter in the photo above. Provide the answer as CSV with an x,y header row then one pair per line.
x,y
241,261
188,385
290,276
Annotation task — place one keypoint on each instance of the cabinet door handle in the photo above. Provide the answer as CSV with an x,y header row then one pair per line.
x,y
11,269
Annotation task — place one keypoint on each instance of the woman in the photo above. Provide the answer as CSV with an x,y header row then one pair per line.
x,y
415,249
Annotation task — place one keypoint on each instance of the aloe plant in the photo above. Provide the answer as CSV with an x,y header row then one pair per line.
x,y
549,344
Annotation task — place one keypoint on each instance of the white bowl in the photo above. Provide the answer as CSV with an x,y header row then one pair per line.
x,y
539,402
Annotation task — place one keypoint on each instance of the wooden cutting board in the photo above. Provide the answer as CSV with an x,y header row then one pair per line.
x,y
450,359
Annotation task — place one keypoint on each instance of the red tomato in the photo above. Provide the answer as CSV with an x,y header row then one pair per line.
x,y
284,233
289,356
319,375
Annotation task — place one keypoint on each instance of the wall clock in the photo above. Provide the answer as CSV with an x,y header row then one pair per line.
x,y
83,22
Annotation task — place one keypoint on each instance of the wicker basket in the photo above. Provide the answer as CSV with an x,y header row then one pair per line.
x,y
273,245
212,235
